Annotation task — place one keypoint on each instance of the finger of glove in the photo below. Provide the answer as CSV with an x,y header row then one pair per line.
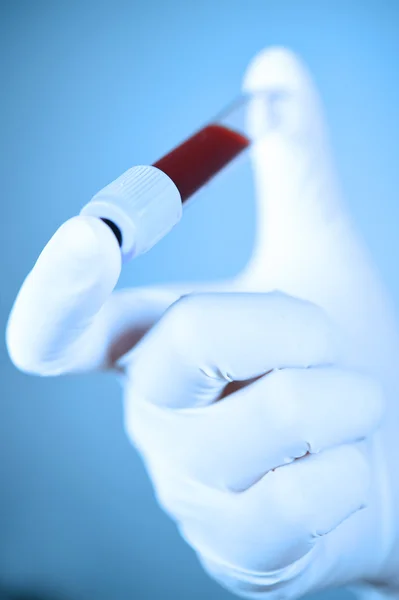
x,y
49,330
297,196
133,312
311,497
275,420
279,519
306,245
205,341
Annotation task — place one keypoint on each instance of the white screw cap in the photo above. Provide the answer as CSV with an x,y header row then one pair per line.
x,y
143,203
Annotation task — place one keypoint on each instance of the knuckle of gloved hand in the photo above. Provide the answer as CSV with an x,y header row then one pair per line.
x,y
283,409
176,440
202,512
356,473
288,502
315,338
372,393
184,324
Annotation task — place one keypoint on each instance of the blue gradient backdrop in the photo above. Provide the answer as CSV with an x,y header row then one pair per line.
x,y
87,90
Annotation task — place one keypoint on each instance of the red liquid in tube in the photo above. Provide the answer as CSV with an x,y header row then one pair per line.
x,y
203,155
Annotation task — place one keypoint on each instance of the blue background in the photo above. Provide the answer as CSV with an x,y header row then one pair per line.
x,y
87,90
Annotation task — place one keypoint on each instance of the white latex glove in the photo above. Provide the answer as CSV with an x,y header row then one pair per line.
x,y
313,362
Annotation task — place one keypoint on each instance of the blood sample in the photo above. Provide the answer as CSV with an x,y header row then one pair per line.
x,y
145,203
201,157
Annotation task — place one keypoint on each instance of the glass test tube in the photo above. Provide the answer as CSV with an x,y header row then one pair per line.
x,y
144,203
199,158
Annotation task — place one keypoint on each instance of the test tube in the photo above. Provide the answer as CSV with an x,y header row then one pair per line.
x,y
146,202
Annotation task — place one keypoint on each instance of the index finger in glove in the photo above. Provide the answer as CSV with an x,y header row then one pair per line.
x,y
66,317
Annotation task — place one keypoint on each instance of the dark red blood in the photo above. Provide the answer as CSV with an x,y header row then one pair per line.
x,y
199,158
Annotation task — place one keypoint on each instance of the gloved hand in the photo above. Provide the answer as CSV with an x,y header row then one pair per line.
x,y
259,414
